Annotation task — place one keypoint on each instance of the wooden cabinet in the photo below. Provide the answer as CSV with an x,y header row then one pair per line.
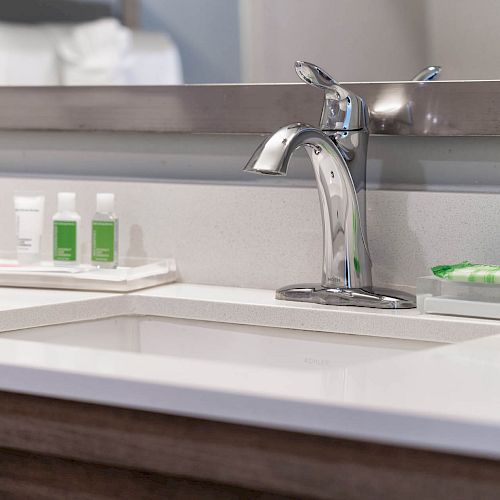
x,y
51,449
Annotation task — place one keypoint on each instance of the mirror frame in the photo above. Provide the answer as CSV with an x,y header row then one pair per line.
x,y
439,108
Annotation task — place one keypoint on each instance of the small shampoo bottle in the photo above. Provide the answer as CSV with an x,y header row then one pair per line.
x,y
105,233
66,225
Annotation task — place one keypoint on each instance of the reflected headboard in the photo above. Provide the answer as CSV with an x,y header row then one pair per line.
x,y
69,11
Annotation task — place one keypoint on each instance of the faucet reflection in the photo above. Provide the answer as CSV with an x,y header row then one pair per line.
x,y
338,155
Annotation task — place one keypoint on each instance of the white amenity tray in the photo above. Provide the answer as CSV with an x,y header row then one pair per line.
x,y
441,296
132,274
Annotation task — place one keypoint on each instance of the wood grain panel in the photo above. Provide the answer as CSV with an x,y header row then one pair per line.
x,y
26,476
290,464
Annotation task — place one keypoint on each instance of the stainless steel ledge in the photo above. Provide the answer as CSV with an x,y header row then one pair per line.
x,y
397,108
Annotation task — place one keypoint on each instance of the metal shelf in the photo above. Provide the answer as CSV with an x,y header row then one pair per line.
x,y
455,108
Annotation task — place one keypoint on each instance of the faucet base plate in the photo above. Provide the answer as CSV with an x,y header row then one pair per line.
x,y
380,298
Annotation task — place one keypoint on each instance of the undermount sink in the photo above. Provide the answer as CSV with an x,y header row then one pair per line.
x,y
221,342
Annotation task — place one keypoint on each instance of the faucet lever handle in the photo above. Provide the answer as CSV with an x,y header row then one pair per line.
x,y
427,74
315,76
342,110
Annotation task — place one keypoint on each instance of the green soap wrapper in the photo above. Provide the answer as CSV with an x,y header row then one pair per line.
x,y
467,272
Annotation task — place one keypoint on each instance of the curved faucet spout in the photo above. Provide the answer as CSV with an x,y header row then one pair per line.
x,y
346,260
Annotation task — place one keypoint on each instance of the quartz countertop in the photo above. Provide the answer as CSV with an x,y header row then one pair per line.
x,y
25,308
445,398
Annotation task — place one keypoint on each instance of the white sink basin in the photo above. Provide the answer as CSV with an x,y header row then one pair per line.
x,y
220,342
351,386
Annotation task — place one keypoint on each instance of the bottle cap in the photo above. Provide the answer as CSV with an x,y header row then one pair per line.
x,y
66,202
105,203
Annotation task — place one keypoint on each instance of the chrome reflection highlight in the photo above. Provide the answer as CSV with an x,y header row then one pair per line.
x,y
338,156
380,298
393,110
427,74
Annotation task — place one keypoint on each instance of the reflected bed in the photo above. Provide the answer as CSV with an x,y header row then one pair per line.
x,y
64,42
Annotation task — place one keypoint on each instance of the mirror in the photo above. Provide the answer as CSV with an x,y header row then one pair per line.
x,y
166,42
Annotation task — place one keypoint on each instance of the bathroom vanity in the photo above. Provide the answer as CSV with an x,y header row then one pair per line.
x,y
234,383
211,387
210,392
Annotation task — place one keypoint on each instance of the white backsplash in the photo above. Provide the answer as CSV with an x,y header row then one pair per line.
x,y
266,237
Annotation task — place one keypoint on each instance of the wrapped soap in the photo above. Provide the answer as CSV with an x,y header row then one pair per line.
x,y
467,272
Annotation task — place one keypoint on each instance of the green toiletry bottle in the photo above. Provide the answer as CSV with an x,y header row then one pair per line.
x,y
105,233
66,225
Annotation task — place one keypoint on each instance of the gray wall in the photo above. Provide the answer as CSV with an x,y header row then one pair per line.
x,y
264,232
464,37
357,41
363,40
207,33
456,164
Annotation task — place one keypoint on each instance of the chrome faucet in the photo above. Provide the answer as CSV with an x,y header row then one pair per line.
x,y
338,154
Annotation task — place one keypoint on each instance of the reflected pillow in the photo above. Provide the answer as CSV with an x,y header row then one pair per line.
x,y
101,52
95,53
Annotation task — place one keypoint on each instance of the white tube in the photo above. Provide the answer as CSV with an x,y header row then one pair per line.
x,y
29,226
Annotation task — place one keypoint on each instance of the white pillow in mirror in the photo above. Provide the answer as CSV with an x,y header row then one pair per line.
x,y
95,53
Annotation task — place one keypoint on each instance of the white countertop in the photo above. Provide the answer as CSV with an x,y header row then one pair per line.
x,y
445,398
233,305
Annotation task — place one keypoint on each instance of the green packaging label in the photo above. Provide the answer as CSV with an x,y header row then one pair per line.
x,y
103,241
65,240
